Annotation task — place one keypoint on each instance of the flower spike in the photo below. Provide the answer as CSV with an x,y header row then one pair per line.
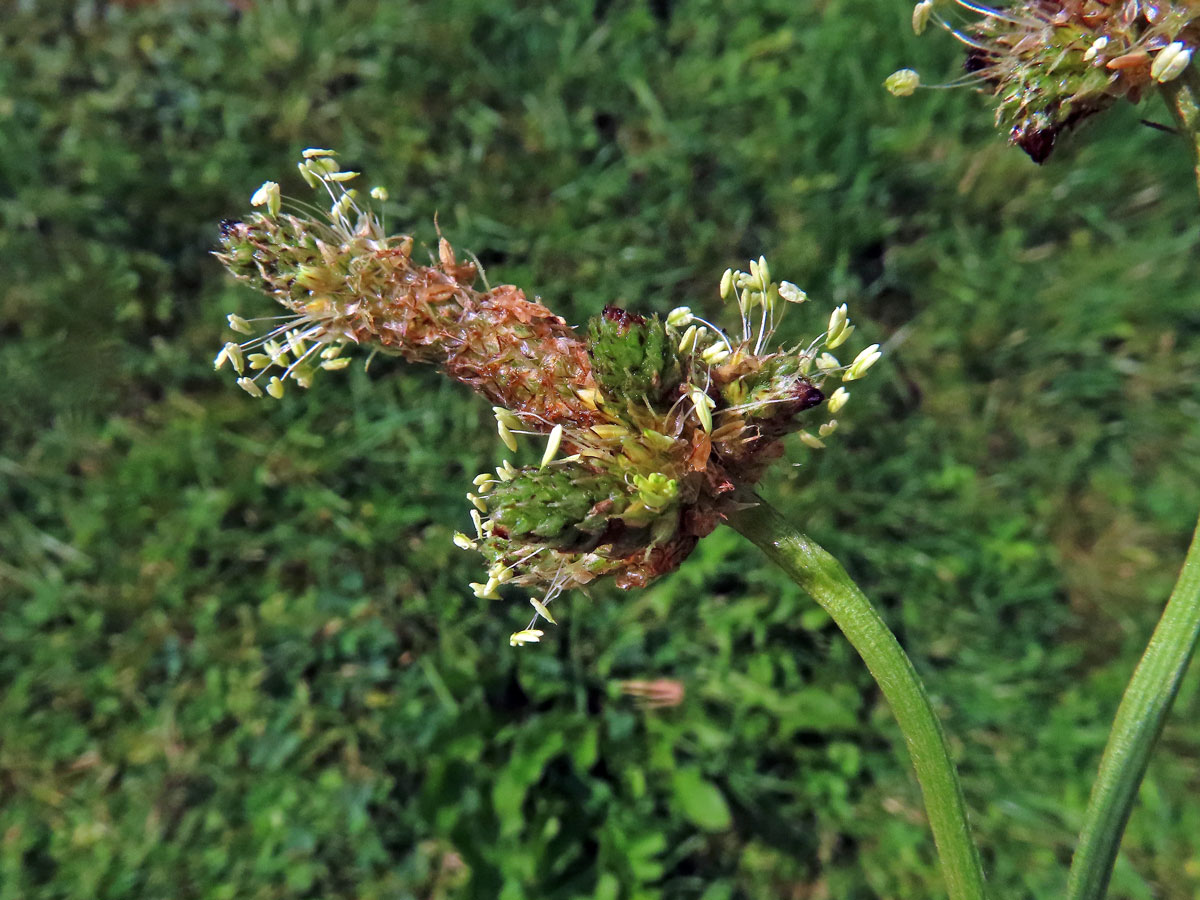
x,y
651,424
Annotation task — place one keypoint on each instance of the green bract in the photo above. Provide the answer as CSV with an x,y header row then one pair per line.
x,y
569,507
632,356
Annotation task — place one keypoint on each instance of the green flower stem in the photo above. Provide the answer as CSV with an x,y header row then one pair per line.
x,y
1183,99
1135,730
813,569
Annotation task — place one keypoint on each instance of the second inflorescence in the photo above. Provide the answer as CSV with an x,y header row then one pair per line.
x,y
1051,64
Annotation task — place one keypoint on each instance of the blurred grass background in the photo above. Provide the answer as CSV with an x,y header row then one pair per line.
x,y
238,657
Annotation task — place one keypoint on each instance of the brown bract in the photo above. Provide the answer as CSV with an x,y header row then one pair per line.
x,y
520,355
367,289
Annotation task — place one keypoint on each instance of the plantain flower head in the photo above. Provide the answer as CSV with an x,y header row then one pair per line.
x,y
1051,64
636,433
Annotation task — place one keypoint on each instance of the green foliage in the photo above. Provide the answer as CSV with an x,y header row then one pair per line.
x,y
699,800
238,655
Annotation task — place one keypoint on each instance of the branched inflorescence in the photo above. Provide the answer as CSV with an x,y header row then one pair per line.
x,y
1053,63
649,425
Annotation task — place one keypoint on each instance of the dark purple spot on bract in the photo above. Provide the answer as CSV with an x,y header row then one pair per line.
x,y
623,317
1037,142
808,396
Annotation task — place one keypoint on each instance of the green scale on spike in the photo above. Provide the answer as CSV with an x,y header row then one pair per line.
x,y
632,357
567,507
573,509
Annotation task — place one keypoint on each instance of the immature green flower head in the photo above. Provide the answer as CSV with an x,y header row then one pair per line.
x,y
1053,63
636,435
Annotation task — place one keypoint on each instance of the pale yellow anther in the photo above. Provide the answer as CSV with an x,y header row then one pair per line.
x,y
827,362
838,319
308,175
727,284
902,83
702,404
296,343
249,387
1097,45
657,440
275,350
688,341
541,610
485,591
267,195
238,324
921,14
1170,62
841,337
507,436
679,317
791,293
591,398
839,328
552,445
609,432
862,362
506,416
235,356
528,636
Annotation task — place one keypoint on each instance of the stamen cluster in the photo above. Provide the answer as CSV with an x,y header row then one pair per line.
x,y
1053,63
650,426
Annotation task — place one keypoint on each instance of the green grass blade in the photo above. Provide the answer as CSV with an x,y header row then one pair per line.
x,y
1135,730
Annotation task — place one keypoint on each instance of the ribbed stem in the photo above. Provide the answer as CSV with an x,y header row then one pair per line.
x,y
1135,730
818,573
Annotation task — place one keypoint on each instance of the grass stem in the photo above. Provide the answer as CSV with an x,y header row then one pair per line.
x,y
823,577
